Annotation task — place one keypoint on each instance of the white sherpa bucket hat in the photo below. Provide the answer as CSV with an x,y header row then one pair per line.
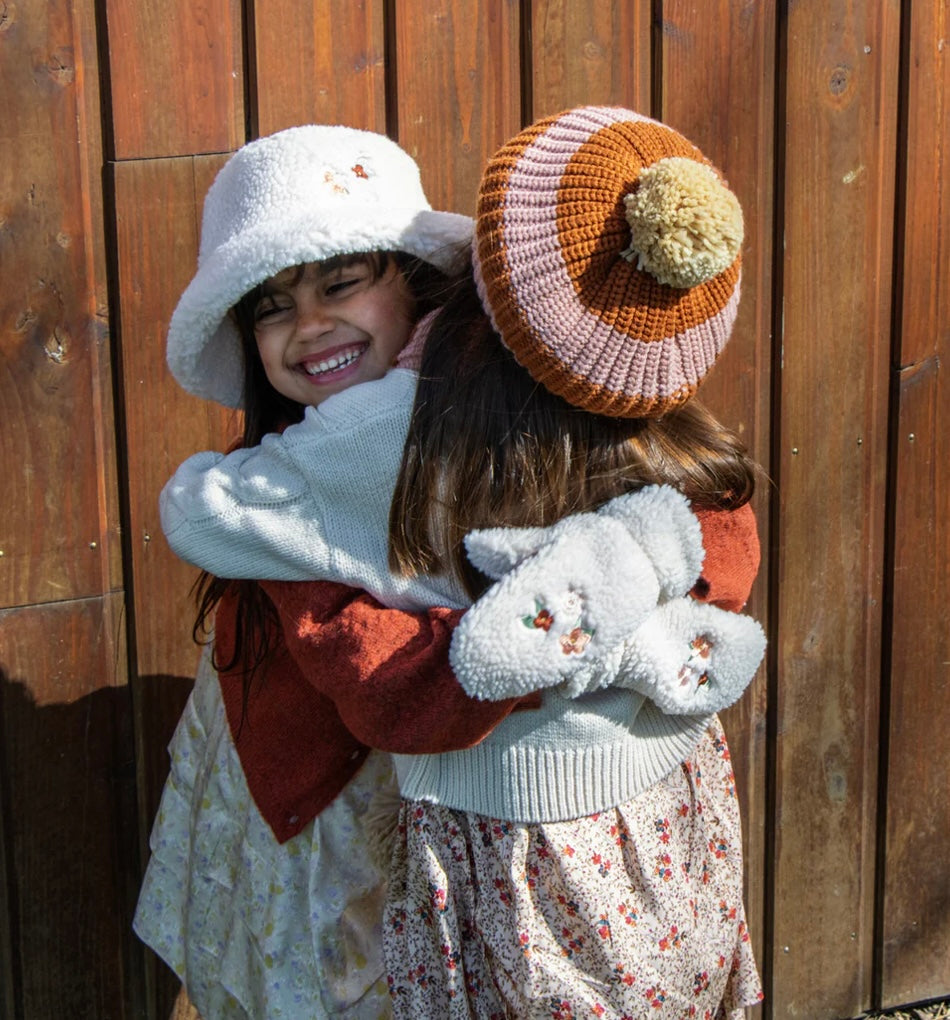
x,y
300,195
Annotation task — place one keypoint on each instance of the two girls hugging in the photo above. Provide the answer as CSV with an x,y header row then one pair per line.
x,y
480,549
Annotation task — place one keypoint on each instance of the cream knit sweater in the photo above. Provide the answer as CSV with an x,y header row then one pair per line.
x,y
313,503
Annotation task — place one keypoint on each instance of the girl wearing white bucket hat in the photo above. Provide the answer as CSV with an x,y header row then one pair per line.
x,y
318,251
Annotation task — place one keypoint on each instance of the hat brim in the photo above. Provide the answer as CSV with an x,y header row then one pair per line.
x,y
203,350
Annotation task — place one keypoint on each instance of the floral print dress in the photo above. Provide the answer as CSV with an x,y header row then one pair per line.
x,y
632,913
255,928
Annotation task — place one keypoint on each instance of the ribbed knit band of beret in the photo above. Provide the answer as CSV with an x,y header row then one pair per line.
x,y
607,253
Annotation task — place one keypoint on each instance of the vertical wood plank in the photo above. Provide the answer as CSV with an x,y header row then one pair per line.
x,y
58,531
68,762
333,73
728,51
840,123
177,76
457,91
916,907
158,210
65,794
158,207
590,53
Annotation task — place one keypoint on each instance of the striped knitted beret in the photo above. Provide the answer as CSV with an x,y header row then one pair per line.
x,y
607,255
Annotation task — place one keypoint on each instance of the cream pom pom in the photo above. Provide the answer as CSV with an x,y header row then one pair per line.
x,y
685,224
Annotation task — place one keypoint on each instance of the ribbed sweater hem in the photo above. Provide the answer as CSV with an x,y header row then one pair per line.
x,y
532,783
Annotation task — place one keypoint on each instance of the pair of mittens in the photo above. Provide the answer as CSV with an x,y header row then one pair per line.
x,y
600,600
571,592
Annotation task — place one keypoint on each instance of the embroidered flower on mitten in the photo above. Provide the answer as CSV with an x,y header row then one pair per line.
x,y
575,642
542,620
695,669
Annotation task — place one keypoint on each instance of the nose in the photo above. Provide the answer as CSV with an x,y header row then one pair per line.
x,y
314,317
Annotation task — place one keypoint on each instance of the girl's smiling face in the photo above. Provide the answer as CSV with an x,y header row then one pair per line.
x,y
325,326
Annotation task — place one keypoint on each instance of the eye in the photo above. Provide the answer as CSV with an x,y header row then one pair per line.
x,y
270,308
339,286
346,280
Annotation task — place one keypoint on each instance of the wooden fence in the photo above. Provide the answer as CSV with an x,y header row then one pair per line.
x,y
831,120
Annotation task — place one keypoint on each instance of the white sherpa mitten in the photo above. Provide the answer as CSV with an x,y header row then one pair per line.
x,y
660,519
582,591
691,658
497,551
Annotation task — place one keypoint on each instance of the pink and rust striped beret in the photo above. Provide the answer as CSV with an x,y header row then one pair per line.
x,y
607,253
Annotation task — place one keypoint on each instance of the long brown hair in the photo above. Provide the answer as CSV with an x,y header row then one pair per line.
x,y
266,410
488,446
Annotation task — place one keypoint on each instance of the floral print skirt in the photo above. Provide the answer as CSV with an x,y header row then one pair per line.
x,y
634,912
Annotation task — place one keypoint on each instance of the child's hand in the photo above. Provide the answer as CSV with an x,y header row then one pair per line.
x,y
688,657
575,590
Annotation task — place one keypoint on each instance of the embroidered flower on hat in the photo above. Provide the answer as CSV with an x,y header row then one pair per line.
x,y
329,177
341,175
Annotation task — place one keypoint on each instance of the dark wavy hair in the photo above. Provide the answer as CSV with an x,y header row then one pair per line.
x,y
266,410
488,446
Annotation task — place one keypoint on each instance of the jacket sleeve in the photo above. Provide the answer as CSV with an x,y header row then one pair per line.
x,y
731,542
386,670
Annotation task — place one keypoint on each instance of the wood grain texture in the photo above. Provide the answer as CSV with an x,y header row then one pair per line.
x,y
590,54
59,525
838,177
916,907
158,209
68,765
177,76
724,51
457,91
333,71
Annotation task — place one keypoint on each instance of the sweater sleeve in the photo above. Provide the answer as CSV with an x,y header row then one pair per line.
x,y
386,670
309,504
731,542
247,514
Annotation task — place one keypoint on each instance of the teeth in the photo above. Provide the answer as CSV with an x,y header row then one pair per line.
x,y
339,361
